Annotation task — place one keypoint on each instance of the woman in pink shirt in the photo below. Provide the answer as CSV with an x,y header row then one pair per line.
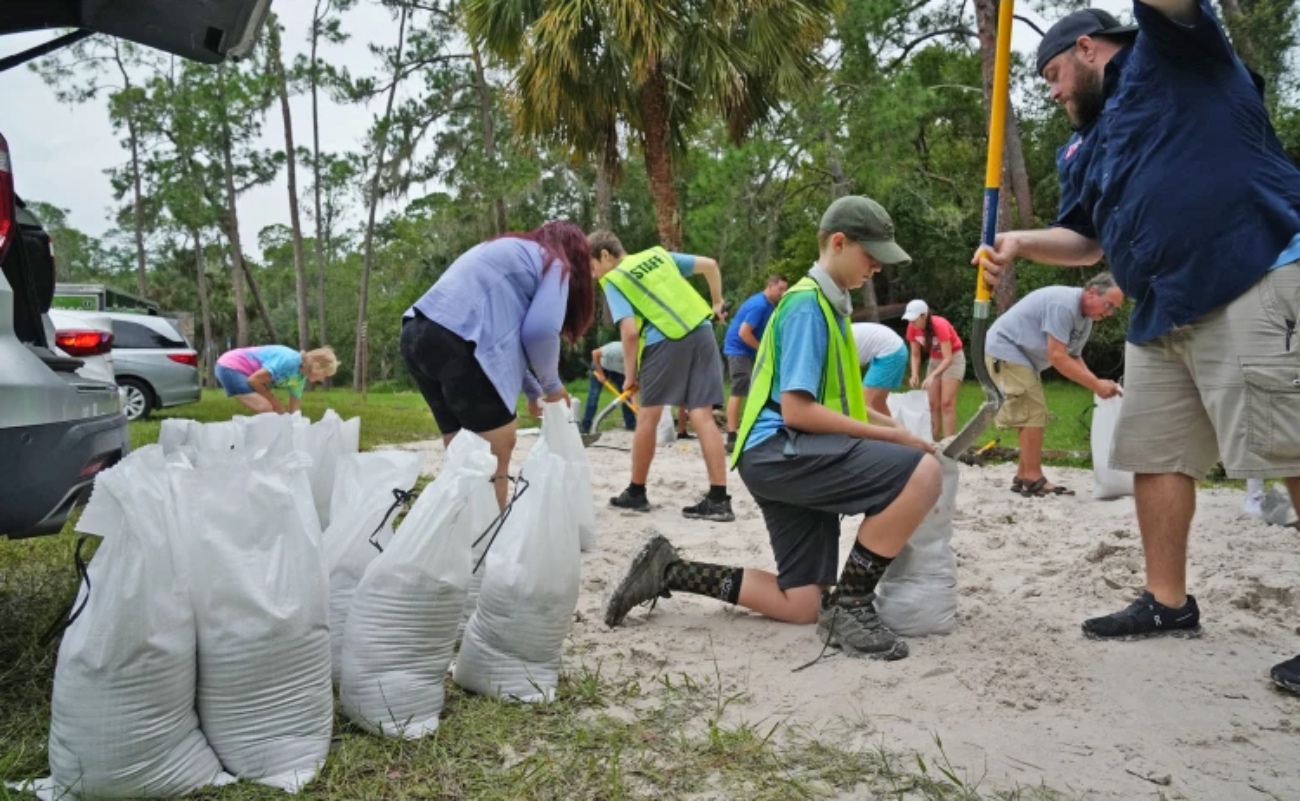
x,y
947,367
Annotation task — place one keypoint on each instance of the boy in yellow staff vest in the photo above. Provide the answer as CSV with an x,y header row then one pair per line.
x,y
808,455
670,354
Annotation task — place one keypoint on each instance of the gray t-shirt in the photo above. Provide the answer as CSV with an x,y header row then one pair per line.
x,y
611,357
1020,335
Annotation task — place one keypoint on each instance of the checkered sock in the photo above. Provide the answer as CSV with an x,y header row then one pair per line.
x,y
702,578
861,571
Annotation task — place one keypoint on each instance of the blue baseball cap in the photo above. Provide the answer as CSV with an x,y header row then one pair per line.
x,y
1086,22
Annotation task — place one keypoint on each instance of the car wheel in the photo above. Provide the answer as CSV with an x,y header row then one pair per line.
x,y
139,399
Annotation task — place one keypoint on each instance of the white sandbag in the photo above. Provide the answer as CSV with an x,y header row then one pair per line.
x,y
326,441
1276,508
514,640
912,410
484,515
401,630
362,507
918,593
560,430
666,430
1107,483
175,433
261,604
269,434
122,719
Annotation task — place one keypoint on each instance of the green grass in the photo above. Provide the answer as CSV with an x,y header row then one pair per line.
x,y
1068,423
601,739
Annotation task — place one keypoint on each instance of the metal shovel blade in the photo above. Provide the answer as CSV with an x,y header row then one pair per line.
x,y
992,394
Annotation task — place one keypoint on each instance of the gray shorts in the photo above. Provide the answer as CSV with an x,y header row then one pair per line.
x,y
684,372
803,483
741,369
1226,386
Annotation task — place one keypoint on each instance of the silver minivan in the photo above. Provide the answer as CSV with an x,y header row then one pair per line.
x,y
155,365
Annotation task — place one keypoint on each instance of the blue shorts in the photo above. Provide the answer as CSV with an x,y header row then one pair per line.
x,y
233,381
886,372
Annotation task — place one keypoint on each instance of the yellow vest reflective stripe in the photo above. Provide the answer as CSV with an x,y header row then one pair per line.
x,y
659,294
841,387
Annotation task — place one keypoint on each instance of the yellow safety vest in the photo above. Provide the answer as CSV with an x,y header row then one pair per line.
x,y
659,294
841,387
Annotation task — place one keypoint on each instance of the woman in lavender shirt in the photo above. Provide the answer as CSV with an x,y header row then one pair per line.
x,y
490,327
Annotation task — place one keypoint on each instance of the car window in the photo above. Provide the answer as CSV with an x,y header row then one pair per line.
x,y
129,336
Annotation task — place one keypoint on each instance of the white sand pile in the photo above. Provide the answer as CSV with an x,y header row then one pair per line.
x,y
1017,694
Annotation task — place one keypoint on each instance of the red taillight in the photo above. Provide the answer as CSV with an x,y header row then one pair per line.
x,y
191,358
84,343
7,198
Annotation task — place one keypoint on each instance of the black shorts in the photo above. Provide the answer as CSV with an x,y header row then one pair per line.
x,y
803,483
444,367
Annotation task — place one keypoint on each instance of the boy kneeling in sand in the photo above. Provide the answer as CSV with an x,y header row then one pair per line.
x,y
808,455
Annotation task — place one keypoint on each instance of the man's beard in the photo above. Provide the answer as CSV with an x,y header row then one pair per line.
x,y
1088,98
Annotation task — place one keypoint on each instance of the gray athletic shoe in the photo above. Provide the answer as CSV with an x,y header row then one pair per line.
x,y
850,623
644,580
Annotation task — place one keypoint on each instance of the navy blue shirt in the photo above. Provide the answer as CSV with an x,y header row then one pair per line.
x,y
756,311
1181,178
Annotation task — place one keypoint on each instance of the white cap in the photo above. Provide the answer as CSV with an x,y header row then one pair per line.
x,y
915,309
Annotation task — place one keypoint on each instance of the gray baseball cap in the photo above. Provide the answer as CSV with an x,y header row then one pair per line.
x,y
1085,22
866,222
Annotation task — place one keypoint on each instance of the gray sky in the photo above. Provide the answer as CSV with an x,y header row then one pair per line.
x,y
60,152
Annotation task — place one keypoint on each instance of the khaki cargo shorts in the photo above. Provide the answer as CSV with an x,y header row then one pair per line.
x,y
1025,405
1226,386
956,371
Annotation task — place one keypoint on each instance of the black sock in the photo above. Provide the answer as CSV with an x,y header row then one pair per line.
x,y
731,436
702,578
861,571
636,489
718,493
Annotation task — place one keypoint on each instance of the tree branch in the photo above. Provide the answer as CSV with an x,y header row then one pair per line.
x,y
956,30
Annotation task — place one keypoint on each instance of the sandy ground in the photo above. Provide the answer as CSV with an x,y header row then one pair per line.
x,y
1017,694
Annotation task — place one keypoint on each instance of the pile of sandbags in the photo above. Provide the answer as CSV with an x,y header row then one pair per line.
x,y
198,649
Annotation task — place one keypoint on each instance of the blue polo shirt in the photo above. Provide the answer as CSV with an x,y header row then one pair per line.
x,y
1181,178
756,311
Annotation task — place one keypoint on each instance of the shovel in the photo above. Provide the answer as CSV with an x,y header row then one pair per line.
x,y
992,184
619,398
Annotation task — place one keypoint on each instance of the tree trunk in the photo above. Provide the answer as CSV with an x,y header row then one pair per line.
x,y
137,197
322,337
607,174
653,103
1015,176
488,125
291,163
205,310
381,145
230,226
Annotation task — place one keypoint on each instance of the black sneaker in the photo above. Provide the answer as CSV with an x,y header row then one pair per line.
x,y
709,509
685,435
1146,617
1287,675
645,580
850,623
633,501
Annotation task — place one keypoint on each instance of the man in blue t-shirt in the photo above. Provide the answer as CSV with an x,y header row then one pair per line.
x,y
1176,175
741,344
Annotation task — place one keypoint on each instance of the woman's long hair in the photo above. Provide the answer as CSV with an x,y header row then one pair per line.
x,y
565,244
929,334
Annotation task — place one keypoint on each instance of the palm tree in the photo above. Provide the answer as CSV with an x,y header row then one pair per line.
x,y
582,66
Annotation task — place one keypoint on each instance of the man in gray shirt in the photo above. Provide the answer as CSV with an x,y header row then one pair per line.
x,y
1046,328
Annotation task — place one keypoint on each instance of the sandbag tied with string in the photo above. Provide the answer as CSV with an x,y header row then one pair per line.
x,y
401,629
261,603
370,490
123,721
515,638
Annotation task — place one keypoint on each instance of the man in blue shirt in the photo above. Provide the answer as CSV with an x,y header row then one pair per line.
x,y
741,345
1176,175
